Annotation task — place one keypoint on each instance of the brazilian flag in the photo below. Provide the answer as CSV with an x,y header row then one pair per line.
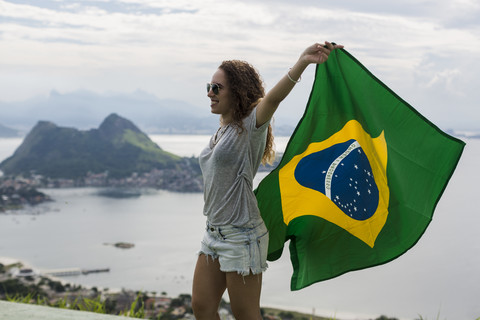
x,y
359,179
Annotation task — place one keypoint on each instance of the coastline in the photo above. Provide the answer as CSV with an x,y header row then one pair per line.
x,y
275,311
9,262
34,287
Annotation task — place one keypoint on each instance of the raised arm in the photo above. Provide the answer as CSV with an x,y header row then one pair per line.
x,y
317,53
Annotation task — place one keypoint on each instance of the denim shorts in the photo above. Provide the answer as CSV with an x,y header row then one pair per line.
x,y
238,249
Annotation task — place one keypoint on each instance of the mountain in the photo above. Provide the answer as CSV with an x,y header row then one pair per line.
x,y
117,146
6,132
85,109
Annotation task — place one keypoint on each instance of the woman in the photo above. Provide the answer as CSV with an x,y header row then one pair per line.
x,y
234,247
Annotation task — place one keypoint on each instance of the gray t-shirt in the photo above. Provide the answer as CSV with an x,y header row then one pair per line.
x,y
228,170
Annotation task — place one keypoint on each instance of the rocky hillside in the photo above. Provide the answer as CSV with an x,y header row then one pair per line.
x,y
117,147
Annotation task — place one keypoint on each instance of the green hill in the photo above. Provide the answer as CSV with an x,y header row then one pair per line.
x,y
117,146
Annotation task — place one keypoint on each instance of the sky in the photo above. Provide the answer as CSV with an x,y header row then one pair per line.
x,y
425,50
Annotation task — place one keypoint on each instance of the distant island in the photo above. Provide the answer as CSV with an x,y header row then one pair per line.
x,y
121,245
16,193
117,154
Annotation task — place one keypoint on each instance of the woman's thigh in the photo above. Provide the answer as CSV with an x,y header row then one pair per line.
x,y
209,284
244,293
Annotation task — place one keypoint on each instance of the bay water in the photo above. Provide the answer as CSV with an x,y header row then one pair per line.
x,y
439,278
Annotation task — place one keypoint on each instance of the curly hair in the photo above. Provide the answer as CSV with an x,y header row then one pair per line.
x,y
247,90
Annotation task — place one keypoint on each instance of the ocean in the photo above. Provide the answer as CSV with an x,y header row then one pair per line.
x,y
438,278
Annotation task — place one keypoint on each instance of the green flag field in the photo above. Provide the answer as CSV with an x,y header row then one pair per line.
x,y
360,177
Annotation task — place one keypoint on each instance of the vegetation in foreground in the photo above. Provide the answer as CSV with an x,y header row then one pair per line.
x,y
45,291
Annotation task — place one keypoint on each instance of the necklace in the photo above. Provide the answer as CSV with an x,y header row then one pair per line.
x,y
218,135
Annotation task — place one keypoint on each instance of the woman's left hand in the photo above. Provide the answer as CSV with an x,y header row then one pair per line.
x,y
318,53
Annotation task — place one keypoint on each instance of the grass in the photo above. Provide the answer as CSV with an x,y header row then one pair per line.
x,y
137,308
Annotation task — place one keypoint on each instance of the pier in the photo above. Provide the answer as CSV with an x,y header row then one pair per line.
x,y
73,272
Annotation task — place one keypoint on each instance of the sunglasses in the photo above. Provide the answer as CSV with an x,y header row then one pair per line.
x,y
214,87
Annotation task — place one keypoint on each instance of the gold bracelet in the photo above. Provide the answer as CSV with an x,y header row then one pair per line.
x,y
290,78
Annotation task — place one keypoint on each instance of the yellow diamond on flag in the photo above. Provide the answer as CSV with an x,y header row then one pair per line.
x,y
342,180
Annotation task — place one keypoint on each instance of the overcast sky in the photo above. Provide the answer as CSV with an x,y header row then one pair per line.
x,y
427,51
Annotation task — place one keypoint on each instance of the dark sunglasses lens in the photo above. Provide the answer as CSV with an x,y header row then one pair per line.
x,y
213,86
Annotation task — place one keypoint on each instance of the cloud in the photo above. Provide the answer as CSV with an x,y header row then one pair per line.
x,y
445,89
171,47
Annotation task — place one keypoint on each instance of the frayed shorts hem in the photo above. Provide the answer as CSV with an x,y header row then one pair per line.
x,y
238,249
241,272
